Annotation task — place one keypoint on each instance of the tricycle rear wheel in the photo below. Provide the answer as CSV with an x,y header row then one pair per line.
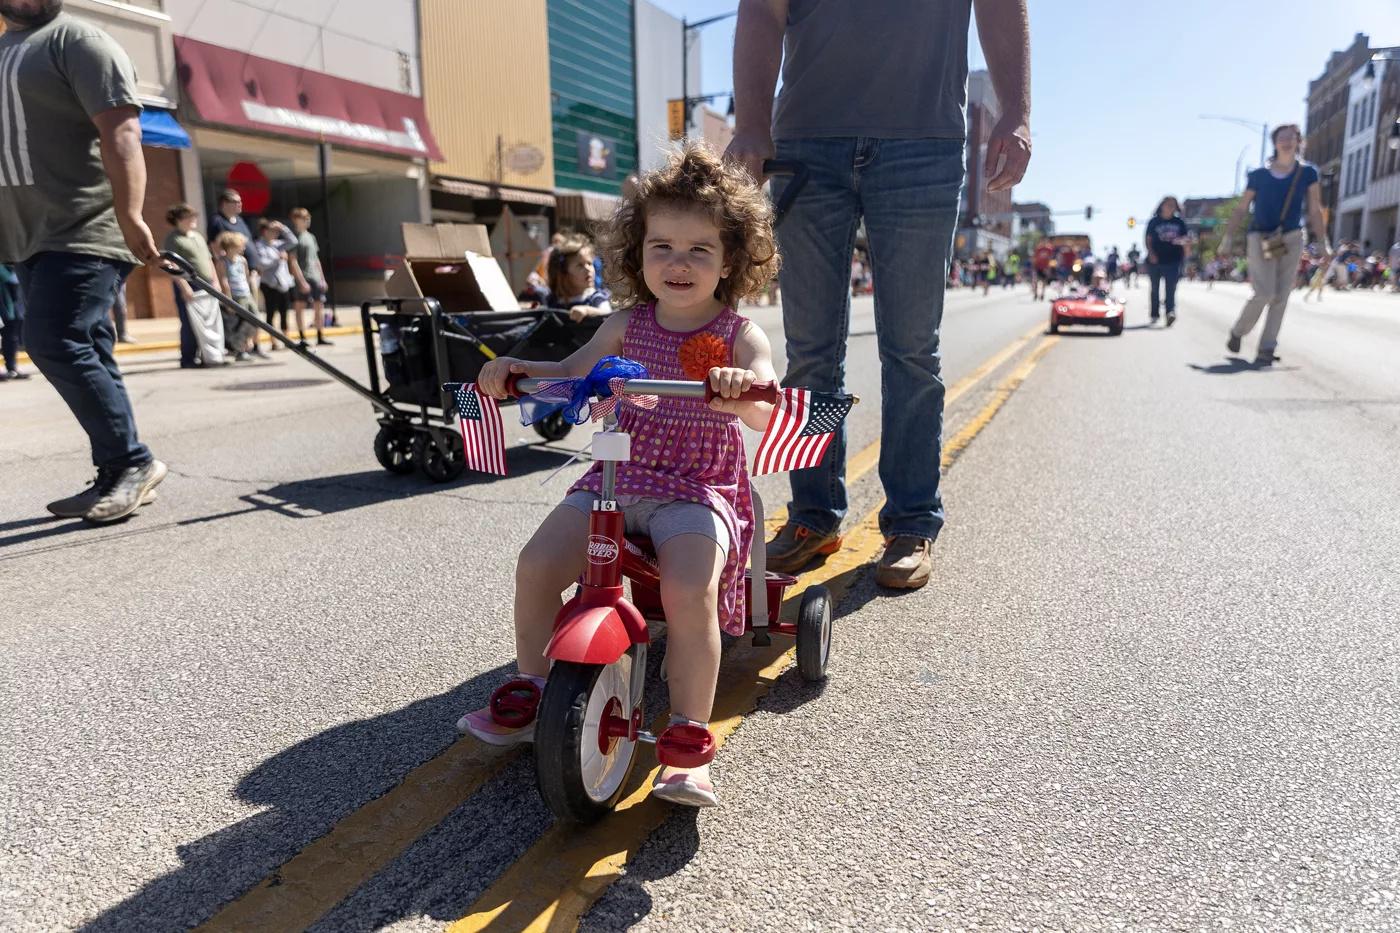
x,y
576,778
814,633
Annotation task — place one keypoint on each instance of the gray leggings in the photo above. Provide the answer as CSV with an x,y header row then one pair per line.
x,y
662,520
1273,283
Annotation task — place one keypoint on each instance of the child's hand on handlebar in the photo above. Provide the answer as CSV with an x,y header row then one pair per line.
x,y
730,383
494,375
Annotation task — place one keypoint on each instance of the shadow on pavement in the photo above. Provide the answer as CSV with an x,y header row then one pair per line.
x,y
627,903
324,495
27,523
306,790
305,498
1237,364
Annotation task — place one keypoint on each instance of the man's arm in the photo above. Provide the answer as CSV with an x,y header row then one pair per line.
x,y
120,132
758,54
1006,43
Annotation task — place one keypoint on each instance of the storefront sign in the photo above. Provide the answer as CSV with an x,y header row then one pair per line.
x,y
597,156
524,159
362,133
236,89
252,186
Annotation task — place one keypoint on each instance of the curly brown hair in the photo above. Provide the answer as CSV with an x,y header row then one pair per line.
x,y
696,177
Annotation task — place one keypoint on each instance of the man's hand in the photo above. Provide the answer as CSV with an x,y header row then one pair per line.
x,y
140,240
304,286
1011,138
749,148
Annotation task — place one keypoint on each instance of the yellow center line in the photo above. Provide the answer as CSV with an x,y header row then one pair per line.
x,y
866,460
359,846
551,887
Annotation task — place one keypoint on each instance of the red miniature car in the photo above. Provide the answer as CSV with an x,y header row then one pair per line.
x,y
1087,307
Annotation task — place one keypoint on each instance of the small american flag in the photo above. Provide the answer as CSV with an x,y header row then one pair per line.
x,y
800,431
483,436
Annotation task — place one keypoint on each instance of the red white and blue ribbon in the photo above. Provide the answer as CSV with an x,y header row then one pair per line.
x,y
618,386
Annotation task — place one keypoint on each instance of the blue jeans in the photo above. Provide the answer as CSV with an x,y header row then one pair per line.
x,y
907,191
69,335
1170,272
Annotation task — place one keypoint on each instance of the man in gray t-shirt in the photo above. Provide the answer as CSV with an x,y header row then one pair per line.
x,y
874,104
72,183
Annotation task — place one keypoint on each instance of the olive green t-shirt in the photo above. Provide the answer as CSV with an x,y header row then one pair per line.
x,y
193,248
54,191
309,258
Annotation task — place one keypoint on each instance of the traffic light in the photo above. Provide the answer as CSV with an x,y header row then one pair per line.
x,y
1132,222
1089,212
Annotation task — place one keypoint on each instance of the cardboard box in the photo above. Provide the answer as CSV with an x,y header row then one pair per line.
x,y
452,263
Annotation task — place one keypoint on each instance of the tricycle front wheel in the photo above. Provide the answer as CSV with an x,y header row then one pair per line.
x,y
580,771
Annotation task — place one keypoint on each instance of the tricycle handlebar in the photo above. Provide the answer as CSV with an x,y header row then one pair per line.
x,y
518,385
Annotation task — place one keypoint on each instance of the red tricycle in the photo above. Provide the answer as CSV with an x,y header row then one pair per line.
x,y
589,717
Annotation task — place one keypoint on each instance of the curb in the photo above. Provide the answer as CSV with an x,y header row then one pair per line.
x,y
126,349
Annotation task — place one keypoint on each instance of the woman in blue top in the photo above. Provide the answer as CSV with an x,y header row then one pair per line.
x,y
1278,192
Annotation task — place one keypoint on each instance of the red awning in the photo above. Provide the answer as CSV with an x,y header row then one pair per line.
x,y
239,89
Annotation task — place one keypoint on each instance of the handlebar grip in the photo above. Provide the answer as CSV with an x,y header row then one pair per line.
x,y
799,172
513,385
758,392
185,270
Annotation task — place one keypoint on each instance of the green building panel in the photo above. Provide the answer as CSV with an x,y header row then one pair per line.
x,y
593,95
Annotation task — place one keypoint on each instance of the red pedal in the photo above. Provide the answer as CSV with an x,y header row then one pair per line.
x,y
514,705
685,746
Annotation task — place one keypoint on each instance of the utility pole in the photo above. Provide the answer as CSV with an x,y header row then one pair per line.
x,y
686,27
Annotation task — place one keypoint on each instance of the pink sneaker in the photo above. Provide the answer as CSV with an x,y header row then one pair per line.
x,y
688,787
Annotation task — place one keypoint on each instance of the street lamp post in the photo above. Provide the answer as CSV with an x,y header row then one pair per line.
x,y
686,27
1263,129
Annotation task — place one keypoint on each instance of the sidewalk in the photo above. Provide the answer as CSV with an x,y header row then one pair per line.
x,y
162,334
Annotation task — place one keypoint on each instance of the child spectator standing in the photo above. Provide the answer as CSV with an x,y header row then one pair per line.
x,y
270,255
199,312
234,280
311,281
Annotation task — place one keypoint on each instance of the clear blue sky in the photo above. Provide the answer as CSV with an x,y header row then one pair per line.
x,y
1118,86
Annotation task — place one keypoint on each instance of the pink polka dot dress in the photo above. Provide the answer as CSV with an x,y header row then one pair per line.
x,y
683,450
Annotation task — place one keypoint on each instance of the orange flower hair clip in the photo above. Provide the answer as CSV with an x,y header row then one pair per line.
x,y
702,352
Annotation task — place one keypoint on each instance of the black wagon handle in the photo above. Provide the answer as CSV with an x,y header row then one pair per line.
x,y
799,173
175,264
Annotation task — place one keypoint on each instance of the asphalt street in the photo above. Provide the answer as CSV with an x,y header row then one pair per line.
x,y
1153,685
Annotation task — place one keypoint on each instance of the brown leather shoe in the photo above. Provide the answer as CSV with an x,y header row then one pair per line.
x,y
906,564
794,547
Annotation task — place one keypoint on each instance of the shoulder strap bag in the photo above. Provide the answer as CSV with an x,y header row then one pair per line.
x,y
1274,246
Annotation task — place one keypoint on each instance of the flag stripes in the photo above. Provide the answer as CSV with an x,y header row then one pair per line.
x,y
483,434
800,430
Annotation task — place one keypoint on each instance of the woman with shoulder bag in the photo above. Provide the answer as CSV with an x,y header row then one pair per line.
x,y
1275,240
